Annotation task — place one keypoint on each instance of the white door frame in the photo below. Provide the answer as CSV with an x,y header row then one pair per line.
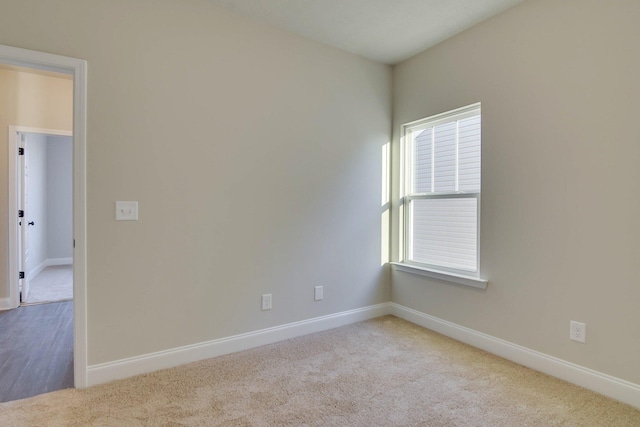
x,y
14,180
78,69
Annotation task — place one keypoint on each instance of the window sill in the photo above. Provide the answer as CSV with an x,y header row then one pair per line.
x,y
460,279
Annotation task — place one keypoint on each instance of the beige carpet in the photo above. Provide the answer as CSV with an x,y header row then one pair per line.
x,y
383,372
53,284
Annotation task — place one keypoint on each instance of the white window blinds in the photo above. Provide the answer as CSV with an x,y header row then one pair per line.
x,y
444,232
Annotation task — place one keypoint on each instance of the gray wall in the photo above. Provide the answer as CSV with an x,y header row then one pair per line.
x,y
59,197
254,155
560,235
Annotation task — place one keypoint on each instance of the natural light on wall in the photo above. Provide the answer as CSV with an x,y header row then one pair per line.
x,y
386,204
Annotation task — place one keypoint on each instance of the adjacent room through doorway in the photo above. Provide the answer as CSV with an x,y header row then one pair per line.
x,y
36,332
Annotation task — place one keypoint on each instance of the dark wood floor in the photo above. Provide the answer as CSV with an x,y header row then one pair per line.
x,y
36,350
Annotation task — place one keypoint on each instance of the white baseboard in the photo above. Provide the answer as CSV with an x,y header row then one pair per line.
x,y
59,261
124,368
5,304
48,263
607,385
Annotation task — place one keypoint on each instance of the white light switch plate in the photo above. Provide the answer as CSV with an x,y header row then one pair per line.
x,y
126,211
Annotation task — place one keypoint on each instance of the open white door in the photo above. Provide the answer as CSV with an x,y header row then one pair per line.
x,y
23,223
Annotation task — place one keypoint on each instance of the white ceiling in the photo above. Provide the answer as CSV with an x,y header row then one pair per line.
x,y
387,31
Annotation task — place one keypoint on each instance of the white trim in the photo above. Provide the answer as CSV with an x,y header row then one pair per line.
x,y
5,304
447,276
48,263
457,114
118,369
12,180
80,224
77,68
43,131
59,261
607,385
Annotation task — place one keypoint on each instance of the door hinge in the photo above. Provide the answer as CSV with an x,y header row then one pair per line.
x,y
20,151
20,213
21,275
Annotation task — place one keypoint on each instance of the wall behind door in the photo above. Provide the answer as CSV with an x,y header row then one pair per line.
x,y
35,100
59,197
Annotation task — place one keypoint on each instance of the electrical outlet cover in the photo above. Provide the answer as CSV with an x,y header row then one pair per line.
x,y
577,331
266,302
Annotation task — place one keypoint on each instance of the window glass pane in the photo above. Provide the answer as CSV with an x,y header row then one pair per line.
x,y
422,161
444,232
469,154
445,157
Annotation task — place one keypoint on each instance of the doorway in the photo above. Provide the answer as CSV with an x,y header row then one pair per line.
x,y
45,223
10,298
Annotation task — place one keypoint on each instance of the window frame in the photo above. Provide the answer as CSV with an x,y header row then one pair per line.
x,y
462,276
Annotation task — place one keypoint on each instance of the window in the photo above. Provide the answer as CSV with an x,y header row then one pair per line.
x,y
442,191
